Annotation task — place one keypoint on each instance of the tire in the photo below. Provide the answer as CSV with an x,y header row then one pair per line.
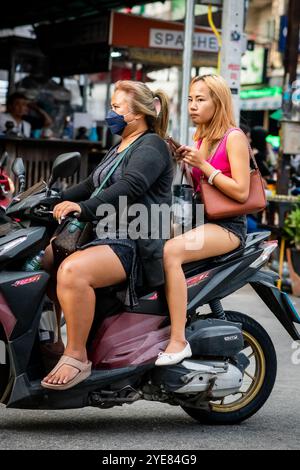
x,y
4,363
255,335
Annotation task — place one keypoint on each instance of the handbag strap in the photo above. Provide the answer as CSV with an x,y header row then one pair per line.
x,y
249,146
252,156
111,171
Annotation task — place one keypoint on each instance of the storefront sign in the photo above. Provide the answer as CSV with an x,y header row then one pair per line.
x,y
147,33
171,39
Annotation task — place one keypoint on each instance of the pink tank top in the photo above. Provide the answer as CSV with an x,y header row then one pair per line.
x,y
218,160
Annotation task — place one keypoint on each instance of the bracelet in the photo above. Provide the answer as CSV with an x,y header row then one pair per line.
x,y
213,175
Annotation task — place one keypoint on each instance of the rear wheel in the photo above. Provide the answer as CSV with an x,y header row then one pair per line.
x,y
259,378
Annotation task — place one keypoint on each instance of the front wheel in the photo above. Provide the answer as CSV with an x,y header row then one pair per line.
x,y
259,378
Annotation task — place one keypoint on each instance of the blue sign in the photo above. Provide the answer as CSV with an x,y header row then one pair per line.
x,y
283,33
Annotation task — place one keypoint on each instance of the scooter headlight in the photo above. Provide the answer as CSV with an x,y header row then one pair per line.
x,y
12,244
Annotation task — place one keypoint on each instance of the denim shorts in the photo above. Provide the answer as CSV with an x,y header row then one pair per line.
x,y
236,225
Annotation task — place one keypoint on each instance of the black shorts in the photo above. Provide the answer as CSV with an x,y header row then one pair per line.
x,y
125,255
236,225
125,251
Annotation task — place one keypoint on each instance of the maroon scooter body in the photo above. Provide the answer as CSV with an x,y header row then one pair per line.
x,y
7,319
129,339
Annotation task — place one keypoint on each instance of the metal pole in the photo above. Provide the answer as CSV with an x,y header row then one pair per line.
x,y
231,52
292,43
186,68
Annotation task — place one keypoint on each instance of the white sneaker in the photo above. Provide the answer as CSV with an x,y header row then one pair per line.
x,y
167,359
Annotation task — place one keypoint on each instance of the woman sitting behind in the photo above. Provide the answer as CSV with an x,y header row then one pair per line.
x,y
144,177
219,146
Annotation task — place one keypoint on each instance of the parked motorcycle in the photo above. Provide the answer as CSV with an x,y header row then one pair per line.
x,y
233,367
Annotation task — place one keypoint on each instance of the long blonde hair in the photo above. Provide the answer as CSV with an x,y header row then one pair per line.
x,y
223,118
142,101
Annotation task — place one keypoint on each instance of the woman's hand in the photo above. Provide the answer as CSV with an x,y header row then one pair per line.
x,y
191,156
62,209
174,150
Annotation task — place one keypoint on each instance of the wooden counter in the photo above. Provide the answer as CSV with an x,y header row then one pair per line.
x,y
38,156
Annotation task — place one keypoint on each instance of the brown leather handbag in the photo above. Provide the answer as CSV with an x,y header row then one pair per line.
x,y
219,206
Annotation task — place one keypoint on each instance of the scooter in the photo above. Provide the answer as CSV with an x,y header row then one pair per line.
x,y
231,373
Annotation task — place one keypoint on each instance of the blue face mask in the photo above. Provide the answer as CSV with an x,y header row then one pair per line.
x,y
116,122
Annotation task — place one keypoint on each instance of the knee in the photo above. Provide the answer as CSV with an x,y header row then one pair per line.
x,y
69,274
172,254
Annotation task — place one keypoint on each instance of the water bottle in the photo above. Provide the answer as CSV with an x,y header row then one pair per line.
x,y
93,135
35,263
68,129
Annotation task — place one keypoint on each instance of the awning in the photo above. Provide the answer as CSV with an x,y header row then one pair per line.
x,y
153,41
261,99
37,11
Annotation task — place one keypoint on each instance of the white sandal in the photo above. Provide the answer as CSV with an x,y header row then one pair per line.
x,y
167,359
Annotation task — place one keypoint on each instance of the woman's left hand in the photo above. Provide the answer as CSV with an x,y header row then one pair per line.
x,y
62,209
192,156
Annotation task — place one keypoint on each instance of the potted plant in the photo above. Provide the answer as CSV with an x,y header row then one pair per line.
x,y
291,232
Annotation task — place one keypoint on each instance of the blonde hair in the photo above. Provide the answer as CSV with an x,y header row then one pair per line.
x,y
142,101
223,118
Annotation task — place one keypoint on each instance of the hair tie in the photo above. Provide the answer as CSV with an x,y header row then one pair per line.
x,y
157,105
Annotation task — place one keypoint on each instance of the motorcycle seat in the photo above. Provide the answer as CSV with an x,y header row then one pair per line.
x,y
213,261
251,242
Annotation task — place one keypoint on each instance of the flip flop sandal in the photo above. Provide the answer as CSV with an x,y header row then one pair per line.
x,y
84,371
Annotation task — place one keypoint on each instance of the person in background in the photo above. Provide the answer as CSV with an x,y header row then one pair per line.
x,y
12,122
16,121
260,150
38,119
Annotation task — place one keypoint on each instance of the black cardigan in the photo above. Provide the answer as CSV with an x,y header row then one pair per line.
x,y
147,173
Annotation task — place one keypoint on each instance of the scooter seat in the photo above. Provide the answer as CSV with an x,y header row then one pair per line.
x,y
213,261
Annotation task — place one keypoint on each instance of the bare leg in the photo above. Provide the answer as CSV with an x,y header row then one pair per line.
x,y
210,240
77,277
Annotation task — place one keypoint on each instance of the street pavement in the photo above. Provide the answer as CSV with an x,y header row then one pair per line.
x,y
154,426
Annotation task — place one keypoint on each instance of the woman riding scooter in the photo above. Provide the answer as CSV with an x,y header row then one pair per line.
x,y
140,117
221,155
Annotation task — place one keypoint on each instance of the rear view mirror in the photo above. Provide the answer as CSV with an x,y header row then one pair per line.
x,y
18,168
65,165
